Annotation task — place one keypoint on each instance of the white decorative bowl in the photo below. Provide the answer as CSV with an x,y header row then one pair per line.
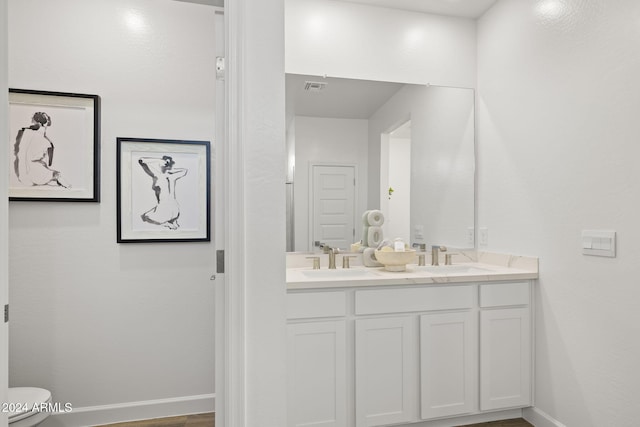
x,y
395,261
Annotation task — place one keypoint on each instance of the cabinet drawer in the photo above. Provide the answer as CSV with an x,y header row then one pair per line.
x,y
308,305
502,294
415,299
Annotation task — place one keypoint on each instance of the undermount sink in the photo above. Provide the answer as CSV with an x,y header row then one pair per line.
x,y
338,273
449,269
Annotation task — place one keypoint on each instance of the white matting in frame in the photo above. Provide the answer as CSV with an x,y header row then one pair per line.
x,y
163,190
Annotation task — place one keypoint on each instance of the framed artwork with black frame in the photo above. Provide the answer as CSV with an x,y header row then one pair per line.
x,y
163,190
54,146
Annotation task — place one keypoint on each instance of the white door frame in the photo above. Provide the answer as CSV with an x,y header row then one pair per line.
x,y
4,207
219,213
311,195
251,332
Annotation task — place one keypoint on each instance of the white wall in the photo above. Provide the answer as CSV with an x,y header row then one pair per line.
x,y
342,39
327,141
96,322
558,153
4,208
442,159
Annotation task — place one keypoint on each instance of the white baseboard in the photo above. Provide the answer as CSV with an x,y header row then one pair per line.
x,y
470,419
540,418
131,411
160,408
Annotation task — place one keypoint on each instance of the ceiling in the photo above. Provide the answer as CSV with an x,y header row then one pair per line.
x,y
341,98
461,8
219,3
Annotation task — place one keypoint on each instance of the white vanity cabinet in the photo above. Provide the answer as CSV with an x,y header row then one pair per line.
x,y
368,356
417,365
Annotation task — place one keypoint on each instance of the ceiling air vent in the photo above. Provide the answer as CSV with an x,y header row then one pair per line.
x,y
314,86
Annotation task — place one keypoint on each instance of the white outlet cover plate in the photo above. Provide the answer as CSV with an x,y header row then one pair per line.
x,y
599,243
484,236
471,232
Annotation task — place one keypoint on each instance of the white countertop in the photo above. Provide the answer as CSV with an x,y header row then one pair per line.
x,y
477,267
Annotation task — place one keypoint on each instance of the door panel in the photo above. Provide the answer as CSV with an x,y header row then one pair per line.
x,y
505,358
385,372
333,205
317,378
448,362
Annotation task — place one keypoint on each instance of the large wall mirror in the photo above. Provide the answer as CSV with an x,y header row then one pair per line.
x,y
354,145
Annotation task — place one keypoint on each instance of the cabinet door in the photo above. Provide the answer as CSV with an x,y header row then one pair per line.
x,y
505,358
448,364
317,374
385,370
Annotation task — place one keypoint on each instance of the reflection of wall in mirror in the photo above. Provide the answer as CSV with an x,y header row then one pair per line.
x,y
442,159
395,173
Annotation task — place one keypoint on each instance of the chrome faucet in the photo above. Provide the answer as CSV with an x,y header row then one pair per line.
x,y
435,253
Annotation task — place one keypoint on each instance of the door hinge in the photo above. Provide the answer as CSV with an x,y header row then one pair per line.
x,y
6,313
220,67
220,261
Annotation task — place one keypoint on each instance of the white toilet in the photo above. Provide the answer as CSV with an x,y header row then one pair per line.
x,y
22,401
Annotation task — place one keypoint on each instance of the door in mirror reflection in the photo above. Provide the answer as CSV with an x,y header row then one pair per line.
x,y
333,210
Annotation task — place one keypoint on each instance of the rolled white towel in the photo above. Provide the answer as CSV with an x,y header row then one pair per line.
x,y
375,218
369,258
365,218
374,236
365,235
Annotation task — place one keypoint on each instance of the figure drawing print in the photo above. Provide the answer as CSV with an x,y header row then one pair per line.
x,y
33,154
164,177
164,190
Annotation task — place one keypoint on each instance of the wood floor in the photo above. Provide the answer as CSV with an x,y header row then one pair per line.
x,y
199,420
208,420
516,422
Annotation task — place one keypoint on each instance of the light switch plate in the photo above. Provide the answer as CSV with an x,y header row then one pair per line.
x,y
599,243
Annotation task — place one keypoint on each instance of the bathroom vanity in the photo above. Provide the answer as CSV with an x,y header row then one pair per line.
x,y
367,347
